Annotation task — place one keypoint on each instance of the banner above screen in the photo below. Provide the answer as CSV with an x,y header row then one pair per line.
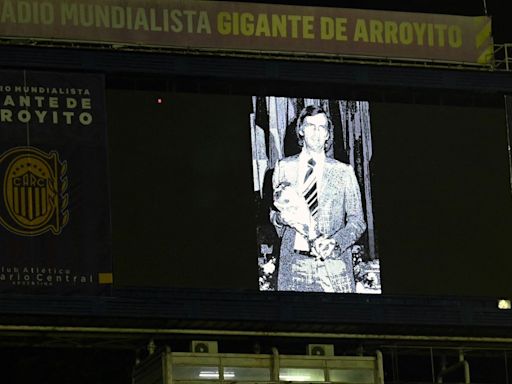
x,y
253,28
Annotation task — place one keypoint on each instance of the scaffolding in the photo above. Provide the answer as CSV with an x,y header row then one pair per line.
x,y
503,57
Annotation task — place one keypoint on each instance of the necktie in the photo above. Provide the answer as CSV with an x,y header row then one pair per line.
x,y
309,191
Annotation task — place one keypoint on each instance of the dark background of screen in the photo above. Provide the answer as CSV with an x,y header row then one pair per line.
x,y
182,194
181,182
442,199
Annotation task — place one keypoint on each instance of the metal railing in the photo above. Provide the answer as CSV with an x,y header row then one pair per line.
x,y
502,60
227,368
503,56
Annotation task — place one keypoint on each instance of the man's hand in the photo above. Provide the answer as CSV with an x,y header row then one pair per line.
x,y
323,247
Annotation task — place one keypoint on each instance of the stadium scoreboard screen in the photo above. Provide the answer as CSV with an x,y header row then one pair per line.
x,y
410,198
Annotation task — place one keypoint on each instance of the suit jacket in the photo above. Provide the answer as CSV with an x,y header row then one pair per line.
x,y
340,216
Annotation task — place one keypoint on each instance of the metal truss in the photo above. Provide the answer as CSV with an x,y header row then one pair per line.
x,y
502,60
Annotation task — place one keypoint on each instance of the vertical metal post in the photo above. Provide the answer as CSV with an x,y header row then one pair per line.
x,y
275,365
505,47
221,370
380,368
432,365
467,378
167,366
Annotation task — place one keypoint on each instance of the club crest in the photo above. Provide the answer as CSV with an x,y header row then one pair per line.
x,y
34,191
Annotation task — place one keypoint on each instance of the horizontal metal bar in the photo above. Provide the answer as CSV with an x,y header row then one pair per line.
x,y
213,332
240,53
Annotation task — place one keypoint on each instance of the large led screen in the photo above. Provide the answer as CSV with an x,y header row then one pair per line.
x,y
411,198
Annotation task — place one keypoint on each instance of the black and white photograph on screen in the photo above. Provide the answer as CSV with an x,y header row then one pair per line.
x,y
311,174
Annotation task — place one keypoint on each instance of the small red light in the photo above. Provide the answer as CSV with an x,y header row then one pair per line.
x,y
159,100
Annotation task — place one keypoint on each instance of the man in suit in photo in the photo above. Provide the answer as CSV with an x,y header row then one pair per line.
x,y
317,212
